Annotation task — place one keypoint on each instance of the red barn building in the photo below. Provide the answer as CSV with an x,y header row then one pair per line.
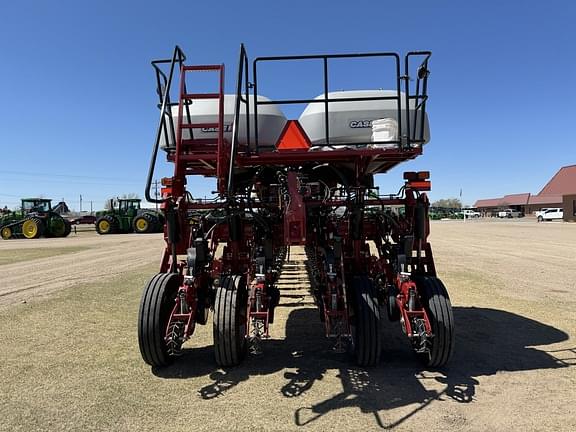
x,y
560,191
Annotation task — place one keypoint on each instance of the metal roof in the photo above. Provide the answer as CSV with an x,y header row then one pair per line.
x,y
507,200
546,199
516,199
563,182
484,203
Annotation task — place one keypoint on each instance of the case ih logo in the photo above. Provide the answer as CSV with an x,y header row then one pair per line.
x,y
355,124
227,128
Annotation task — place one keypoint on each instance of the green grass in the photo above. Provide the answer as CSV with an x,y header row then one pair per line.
x,y
66,360
18,255
71,362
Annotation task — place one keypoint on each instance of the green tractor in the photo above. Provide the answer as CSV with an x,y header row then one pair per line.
x,y
125,215
35,219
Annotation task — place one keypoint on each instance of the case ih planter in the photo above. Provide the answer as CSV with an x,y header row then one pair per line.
x,y
306,182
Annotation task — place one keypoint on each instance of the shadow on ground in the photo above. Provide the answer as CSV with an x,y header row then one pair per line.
x,y
487,341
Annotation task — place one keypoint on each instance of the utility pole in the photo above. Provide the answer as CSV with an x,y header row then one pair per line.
x,y
80,203
462,205
90,207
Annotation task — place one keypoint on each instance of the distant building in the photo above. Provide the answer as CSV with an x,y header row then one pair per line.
x,y
560,191
61,208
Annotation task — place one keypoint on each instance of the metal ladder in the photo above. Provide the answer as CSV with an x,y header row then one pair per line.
x,y
207,156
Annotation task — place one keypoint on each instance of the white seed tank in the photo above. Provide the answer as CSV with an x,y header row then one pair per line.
x,y
271,122
351,122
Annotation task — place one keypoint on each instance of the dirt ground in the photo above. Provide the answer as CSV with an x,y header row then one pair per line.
x,y
69,356
79,258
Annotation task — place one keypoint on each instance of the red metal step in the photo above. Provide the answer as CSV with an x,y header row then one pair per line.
x,y
199,125
202,68
198,156
187,143
200,96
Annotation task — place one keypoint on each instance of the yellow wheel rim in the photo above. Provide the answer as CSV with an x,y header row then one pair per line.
x,y
142,224
6,233
104,226
29,228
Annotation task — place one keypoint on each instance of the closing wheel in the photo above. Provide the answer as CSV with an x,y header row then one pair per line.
x,y
436,302
155,308
230,321
391,306
6,233
32,228
365,324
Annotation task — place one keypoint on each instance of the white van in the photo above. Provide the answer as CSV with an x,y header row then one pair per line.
x,y
551,214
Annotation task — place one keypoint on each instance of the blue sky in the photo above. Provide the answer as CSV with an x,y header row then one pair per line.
x,y
78,112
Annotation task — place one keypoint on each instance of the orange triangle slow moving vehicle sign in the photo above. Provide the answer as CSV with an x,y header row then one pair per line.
x,y
293,137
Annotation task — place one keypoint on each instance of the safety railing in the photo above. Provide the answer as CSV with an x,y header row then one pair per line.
x,y
241,97
419,96
166,123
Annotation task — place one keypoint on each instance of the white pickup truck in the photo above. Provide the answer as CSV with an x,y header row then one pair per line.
x,y
469,213
509,213
550,214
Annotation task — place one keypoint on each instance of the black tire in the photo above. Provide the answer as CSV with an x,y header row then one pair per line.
x,y
391,306
155,308
540,219
160,221
39,230
68,228
366,323
153,220
6,233
203,306
101,225
143,224
229,326
436,302
59,227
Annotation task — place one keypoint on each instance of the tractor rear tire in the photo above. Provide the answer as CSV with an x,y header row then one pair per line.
x,y
106,225
366,323
157,302
229,328
68,228
153,222
32,228
436,303
6,233
160,221
59,227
